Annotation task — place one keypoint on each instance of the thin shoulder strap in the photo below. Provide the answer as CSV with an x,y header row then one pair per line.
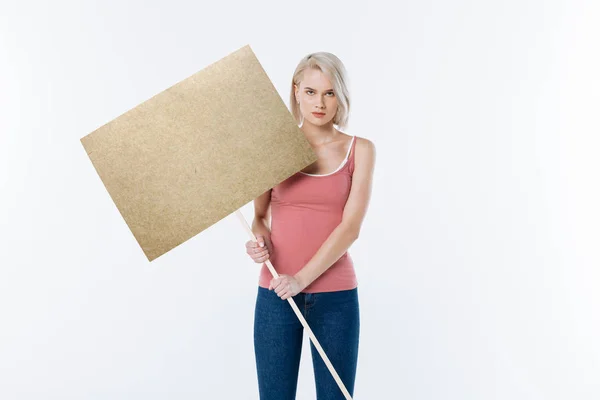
x,y
351,155
352,145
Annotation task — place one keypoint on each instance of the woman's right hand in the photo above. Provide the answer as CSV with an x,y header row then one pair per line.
x,y
258,250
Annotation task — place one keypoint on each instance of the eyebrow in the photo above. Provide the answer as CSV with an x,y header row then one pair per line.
x,y
328,90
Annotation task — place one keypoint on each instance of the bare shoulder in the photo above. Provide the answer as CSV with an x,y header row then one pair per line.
x,y
365,150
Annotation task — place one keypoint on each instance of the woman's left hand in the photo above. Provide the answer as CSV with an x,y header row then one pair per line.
x,y
286,286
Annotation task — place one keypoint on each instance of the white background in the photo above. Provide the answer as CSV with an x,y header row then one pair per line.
x,y
478,262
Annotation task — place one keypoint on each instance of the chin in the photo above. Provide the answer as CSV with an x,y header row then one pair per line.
x,y
319,121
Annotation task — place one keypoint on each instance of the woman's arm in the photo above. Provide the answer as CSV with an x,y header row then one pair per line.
x,y
261,225
348,230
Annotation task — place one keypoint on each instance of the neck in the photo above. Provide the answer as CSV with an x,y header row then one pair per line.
x,y
318,135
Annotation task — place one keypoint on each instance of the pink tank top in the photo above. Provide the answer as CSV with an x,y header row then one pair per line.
x,y
305,209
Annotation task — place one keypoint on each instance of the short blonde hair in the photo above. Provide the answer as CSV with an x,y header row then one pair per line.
x,y
335,71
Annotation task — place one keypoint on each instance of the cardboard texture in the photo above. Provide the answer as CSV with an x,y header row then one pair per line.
x,y
196,152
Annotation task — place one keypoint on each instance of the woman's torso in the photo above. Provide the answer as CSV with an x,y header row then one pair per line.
x,y
305,209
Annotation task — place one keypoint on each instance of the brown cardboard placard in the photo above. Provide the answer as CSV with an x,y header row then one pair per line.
x,y
198,151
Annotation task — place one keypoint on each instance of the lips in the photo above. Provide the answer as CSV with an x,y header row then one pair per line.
x,y
316,114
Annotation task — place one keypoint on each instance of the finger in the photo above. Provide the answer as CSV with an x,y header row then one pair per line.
x,y
278,287
262,253
283,288
283,281
260,240
256,254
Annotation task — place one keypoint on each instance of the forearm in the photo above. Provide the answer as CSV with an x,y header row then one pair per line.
x,y
260,225
337,243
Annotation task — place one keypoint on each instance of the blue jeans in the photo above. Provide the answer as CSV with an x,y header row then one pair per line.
x,y
334,319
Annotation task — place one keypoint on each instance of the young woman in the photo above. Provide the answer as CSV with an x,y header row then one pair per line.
x,y
305,226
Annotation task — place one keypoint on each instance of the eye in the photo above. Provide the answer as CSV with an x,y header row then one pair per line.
x,y
331,93
308,91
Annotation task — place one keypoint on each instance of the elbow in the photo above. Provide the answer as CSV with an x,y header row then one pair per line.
x,y
350,230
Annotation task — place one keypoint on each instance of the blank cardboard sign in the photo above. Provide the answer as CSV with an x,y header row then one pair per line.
x,y
198,151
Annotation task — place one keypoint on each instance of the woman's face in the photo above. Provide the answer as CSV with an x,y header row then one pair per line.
x,y
315,94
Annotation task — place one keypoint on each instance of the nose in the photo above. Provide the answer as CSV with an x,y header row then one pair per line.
x,y
320,103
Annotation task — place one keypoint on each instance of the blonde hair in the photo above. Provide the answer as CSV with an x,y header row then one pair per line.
x,y
335,71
